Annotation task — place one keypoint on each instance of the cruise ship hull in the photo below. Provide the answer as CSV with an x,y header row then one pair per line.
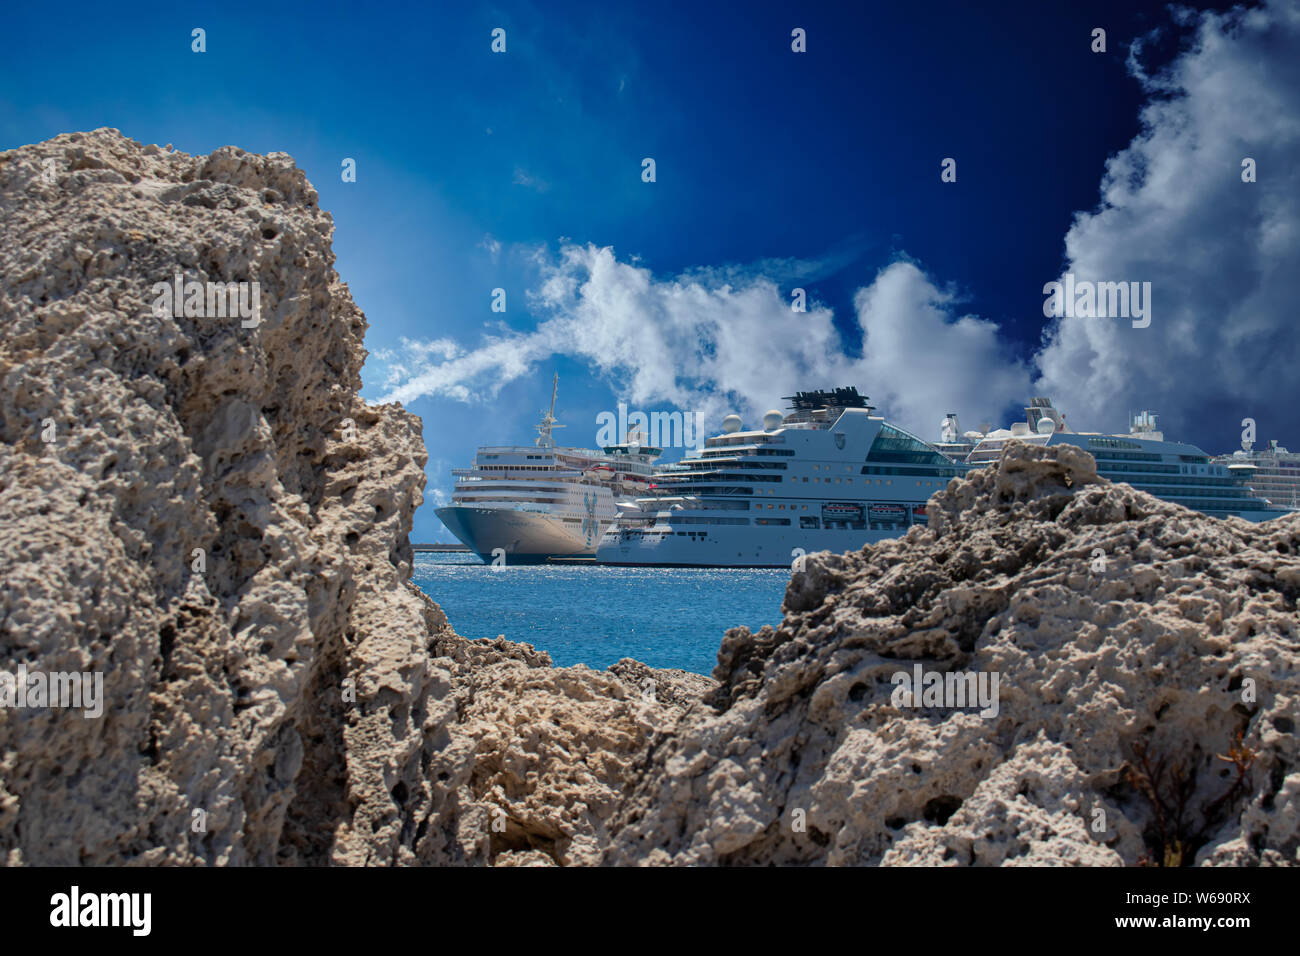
x,y
730,548
523,537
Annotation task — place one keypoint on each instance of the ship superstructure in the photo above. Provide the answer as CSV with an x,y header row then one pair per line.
x,y
830,475
1273,473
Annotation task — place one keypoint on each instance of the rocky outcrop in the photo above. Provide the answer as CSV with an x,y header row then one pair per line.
x,y
1145,708
196,506
203,512
534,760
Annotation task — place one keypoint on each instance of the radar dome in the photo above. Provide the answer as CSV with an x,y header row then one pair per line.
x,y
1046,426
772,420
731,424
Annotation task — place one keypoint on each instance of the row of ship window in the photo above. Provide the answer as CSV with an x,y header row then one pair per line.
x,y
808,521
770,506
1163,488
1105,466
805,522
1174,479
517,468
690,485
1209,506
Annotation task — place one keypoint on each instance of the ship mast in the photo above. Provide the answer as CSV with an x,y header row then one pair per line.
x,y
544,439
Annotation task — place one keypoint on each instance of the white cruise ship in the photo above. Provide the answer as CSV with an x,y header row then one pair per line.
x,y
530,503
1173,471
1273,473
828,476
831,476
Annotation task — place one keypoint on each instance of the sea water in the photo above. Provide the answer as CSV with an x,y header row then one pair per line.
x,y
594,615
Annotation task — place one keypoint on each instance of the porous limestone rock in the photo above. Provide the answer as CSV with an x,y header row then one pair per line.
x,y
180,511
204,511
538,758
1134,642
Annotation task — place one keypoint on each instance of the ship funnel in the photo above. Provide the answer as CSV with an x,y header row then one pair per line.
x,y
949,428
1144,425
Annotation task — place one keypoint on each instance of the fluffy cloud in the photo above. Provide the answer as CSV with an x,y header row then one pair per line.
x,y
923,361
1222,255
718,342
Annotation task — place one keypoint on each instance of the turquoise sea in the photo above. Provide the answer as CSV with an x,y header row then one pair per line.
x,y
594,615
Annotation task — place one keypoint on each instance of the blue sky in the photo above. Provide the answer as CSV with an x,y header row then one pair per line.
x,y
774,170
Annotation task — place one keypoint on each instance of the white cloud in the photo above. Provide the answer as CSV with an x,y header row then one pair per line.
x,y
714,342
1222,255
530,180
492,246
442,368
923,361
439,472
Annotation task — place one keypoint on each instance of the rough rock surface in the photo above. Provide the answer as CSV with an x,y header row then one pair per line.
x,y
538,758
1134,641
209,515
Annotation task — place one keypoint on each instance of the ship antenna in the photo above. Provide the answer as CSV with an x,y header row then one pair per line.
x,y
544,439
